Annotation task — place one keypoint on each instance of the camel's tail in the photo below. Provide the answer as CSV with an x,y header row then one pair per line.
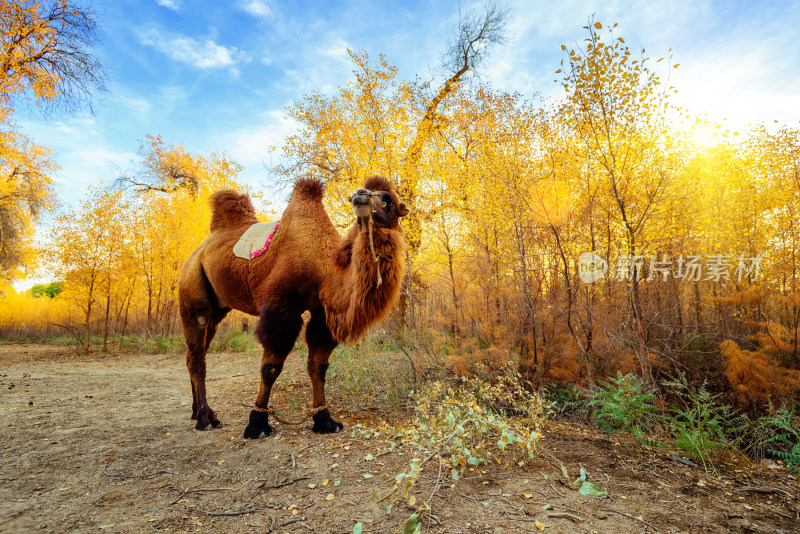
x,y
309,188
230,209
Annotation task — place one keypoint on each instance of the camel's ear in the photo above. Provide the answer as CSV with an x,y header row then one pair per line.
x,y
403,210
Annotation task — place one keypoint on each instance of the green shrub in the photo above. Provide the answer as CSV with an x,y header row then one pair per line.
x,y
381,377
236,341
566,400
623,404
700,427
161,343
778,434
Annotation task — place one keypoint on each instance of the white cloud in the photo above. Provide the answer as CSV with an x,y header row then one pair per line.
x,y
88,166
249,145
203,54
258,8
337,49
174,5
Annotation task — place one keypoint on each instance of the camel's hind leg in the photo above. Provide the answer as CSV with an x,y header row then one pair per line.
x,y
199,318
277,330
320,345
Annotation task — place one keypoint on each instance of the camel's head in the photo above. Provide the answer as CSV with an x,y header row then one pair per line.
x,y
378,199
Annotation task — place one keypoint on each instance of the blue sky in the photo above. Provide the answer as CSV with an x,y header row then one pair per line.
x,y
215,75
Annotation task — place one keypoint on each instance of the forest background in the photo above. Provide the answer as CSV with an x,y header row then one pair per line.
x,y
694,226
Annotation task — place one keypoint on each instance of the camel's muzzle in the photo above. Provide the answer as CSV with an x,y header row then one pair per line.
x,y
361,201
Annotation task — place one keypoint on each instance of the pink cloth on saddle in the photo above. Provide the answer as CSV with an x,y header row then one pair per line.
x,y
263,249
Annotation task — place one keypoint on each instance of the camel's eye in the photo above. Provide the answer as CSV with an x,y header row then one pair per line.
x,y
384,205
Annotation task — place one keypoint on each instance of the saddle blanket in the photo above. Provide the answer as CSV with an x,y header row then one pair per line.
x,y
255,240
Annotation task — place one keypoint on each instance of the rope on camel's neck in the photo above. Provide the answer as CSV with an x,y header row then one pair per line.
x,y
372,246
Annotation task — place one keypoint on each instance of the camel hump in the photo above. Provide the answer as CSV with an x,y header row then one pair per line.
x,y
309,187
230,209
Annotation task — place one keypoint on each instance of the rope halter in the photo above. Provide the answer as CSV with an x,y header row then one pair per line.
x,y
370,224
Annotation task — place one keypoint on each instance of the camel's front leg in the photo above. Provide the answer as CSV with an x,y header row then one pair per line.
x,y
320,345
198,339
259,426
277,330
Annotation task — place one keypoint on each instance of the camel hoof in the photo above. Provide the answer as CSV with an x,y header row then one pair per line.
x,y
324,424
210,425
206,419
258,427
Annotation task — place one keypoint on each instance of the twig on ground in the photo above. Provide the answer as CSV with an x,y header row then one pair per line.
x,y
685,461
309,446
556,490
271,524
438,480
760,489
106,473
554,506
201,490
565,515
382,453
294,463
290,521
631,517
145,474
179,497
520,509
229,514
281,484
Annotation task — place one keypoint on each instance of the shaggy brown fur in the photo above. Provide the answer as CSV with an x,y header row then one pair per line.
x,y
308,266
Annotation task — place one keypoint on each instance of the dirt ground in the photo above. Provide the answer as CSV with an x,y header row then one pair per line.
x,y
105,443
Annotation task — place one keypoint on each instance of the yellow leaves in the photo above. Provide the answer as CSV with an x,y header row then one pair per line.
x,y
36,40
25,191
598,25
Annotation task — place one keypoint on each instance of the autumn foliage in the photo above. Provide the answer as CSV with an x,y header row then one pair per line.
x,y
507,191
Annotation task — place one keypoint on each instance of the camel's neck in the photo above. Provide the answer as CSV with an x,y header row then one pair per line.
x,y
353,297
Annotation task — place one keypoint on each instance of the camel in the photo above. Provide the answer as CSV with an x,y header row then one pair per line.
x,y
347,283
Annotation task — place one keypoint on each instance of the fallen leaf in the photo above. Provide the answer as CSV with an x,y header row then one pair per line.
x,y
587,488
539,525
527,495
330,497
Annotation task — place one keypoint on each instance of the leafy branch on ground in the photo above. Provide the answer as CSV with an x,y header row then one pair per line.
x,y
464,423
